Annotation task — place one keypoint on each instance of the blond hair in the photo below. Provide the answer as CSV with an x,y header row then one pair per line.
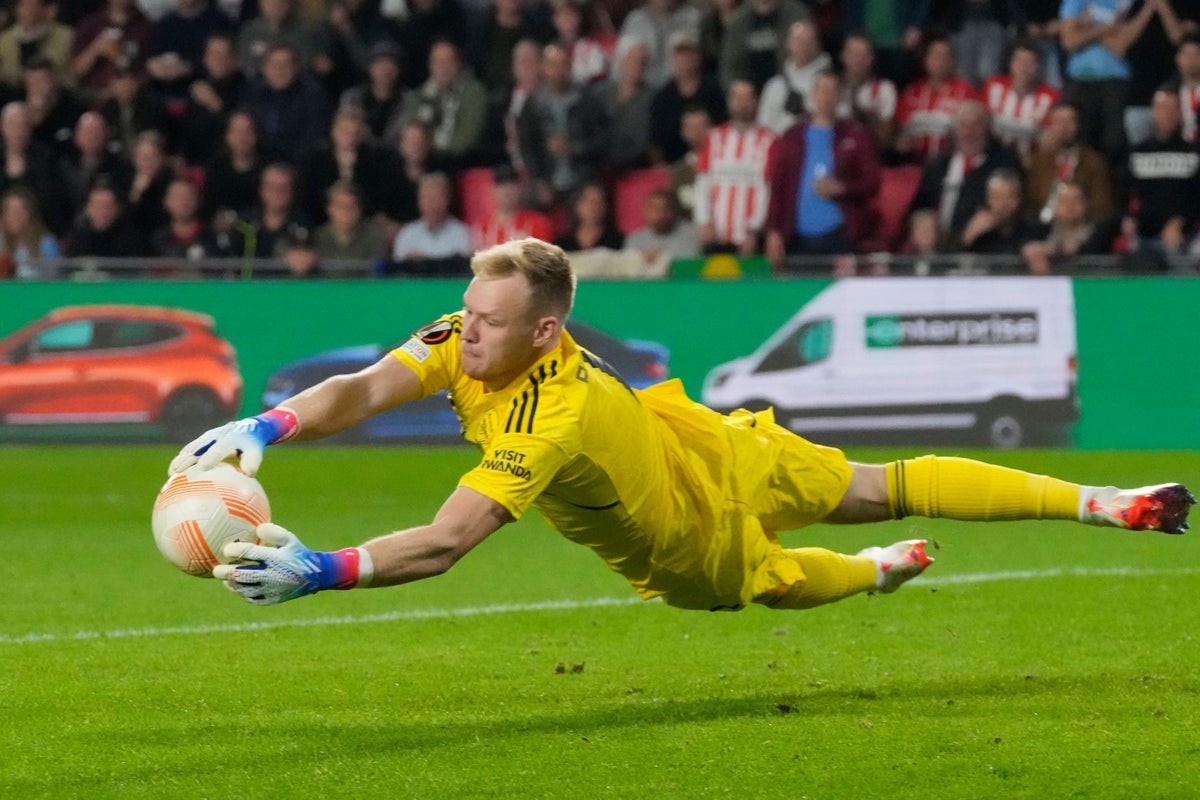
x,y
544,265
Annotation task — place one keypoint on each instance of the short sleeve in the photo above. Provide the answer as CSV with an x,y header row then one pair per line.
x,y
433,353
515,469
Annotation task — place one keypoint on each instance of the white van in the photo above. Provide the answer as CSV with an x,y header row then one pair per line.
x,y
988,360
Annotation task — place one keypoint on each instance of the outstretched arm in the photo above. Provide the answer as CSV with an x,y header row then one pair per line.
x,y
287,569
335,404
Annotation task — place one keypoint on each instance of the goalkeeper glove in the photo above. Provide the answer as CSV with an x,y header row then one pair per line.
x,y
246,437
286,569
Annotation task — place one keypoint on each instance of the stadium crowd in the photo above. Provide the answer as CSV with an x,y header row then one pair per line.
x,y
404,134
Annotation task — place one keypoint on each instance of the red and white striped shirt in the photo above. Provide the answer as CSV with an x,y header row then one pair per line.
x,y
926,115
1017,119
875,98
526,223
731,189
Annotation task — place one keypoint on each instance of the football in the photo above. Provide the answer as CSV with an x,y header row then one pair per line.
x,y
198,512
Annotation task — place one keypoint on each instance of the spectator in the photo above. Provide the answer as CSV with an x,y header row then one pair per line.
x,y
925,242
24,240
665,237
501,142
786,96
102,230
1062,157
865,97
655,25
30,163
1042,27
352,29
436,241
1096,34
348,235
755,45
347,156
428,22
574,31
185,235
997,227
547,152
92,160
509,220
277,24
213,96
896,31
131,108
381,96
35,36
234,175
414,159
1165,186
731,193
266,233
179,43
1019,102
494,32
714,26
1151,58
688,87
53,108
978,30
823,175
927,108
113,39
954,182
612,128
452,103
1186,84
694,130
300,256
151,176
591,222
1073,232
289,104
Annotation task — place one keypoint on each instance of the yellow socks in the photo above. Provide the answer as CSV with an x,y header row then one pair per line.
x,y
958,488
828,576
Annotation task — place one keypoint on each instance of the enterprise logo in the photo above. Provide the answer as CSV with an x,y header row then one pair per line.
x,y
952,330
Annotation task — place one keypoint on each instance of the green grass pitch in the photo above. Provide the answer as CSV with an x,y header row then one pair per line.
x,y
1036,660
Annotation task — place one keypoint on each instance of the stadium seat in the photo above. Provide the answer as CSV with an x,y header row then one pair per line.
x,y
896,189
475,195
629,196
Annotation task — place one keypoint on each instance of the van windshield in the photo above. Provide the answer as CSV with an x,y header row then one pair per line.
x,y
810,343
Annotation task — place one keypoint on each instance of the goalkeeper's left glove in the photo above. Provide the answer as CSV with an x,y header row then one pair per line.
x,y
286,569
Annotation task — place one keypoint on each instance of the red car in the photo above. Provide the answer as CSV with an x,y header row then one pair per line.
x,y
119,364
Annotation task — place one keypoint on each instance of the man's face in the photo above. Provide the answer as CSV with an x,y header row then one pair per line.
x,y
414,143
685,61
507,196
1070,206
556,67
971,129
275,191
694,128
856,56
658,214
825,95
181,201
344,211
279,69
742,101
1003,198
384,71
348,133
498,330
1187,60
527,63
939,61
101,209
29,13
802,43
443,65
240,136
1064,126
220,61
433,201
1023,66
1165,113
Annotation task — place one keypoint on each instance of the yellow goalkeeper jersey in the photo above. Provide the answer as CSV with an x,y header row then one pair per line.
x,y
671,494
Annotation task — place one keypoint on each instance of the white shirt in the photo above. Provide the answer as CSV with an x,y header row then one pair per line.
x,y
452,238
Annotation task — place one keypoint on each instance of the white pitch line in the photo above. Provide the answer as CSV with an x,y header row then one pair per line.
x,y
546,605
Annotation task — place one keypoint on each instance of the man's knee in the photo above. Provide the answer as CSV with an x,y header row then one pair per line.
x,y
866,498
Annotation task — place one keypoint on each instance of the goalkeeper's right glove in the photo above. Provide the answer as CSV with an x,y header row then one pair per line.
x,y
245,437
284,569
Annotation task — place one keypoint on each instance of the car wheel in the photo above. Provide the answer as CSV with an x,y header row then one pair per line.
x,y
1004,430
190,412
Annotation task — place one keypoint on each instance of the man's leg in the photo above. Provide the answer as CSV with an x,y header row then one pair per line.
x,y
830,576
959,488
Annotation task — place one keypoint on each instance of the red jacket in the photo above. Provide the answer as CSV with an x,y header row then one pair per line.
x,y
855,163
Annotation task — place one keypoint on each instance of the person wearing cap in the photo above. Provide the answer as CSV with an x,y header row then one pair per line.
x,y
381,96
656,24
689,87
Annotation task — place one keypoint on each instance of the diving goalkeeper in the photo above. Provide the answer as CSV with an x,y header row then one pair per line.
x,y
684,502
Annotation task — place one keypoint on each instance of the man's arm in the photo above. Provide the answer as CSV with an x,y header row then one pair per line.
x,y
288,570
331,406
1121,36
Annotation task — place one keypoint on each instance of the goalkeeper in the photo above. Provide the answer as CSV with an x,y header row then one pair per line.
x,y
684,502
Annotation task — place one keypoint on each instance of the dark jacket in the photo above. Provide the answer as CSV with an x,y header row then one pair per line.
x,y
855,163
292,120
973,191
